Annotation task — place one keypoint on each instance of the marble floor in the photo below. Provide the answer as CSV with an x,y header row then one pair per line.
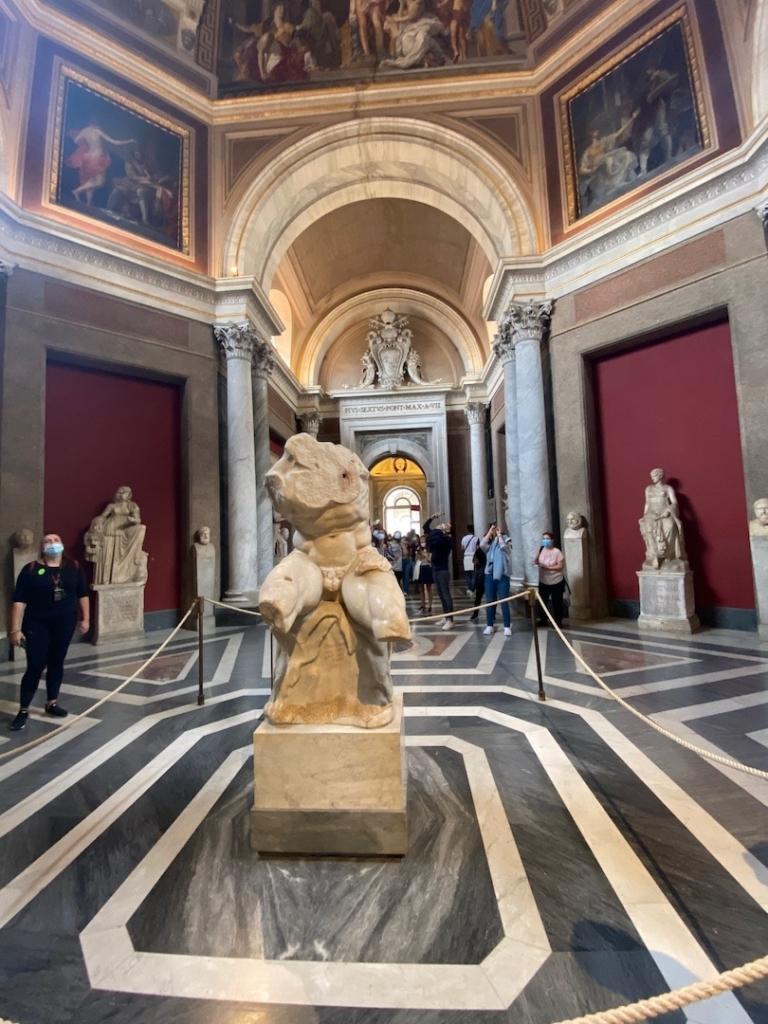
x,y
565,858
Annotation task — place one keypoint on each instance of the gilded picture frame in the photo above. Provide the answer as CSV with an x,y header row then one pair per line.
x,y
119,163
637,118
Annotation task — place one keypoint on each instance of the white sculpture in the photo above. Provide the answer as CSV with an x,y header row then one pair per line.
x,y
204,555
24,550
334,603
576,550
391,354
661,528
758,527
114,542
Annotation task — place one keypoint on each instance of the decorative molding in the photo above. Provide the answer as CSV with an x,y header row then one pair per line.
x,y
762,212
615,245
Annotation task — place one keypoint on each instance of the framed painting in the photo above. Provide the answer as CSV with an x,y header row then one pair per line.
x,y
121,163
637,117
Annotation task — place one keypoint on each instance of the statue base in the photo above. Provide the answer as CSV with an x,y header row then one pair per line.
x,y
330,789
119,612
759,547
666,601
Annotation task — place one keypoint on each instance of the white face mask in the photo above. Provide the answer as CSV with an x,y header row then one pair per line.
x,y
53,550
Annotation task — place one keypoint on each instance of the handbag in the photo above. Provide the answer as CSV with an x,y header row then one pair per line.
x,y
416,571
469,563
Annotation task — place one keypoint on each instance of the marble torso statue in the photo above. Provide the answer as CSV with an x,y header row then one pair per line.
x,y
334,603
661,528
114,542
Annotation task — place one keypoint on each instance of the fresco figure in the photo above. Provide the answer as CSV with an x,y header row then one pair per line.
x,y
91,159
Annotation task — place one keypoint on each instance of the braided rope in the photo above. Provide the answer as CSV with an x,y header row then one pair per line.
x,y
666,1002
727,761
71,719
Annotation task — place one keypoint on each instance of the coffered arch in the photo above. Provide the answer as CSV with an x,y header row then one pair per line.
x,y
376,157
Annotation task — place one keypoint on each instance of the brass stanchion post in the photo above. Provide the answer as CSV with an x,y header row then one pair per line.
x,y
535,631
200,611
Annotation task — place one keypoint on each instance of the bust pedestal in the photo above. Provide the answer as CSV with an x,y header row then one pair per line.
x,y
330,789
666,601
759,546
119,611
576,551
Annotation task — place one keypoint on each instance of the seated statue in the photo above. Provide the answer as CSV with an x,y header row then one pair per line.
x,y
333,603
661,528
114,542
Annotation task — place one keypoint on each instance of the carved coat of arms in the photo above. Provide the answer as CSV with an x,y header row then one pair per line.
x,y
390,359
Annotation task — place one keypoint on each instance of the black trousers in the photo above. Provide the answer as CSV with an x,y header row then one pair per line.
x,y
552,596
47,643
443,584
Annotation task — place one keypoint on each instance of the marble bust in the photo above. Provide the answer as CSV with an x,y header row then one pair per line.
x,y
758,527
114,542
661,528
574,525
333,603
24,549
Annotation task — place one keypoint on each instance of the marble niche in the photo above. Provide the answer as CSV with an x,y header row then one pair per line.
x,y
758,540
665,580
114,544
329,759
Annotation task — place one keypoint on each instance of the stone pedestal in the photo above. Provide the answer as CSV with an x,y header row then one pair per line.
x,y
330,789
576,551
666,601
119,611
760,563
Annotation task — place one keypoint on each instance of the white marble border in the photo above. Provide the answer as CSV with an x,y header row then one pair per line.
x,y
113,964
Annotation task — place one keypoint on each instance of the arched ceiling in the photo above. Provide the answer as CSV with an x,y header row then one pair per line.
x,y
380,236
352,262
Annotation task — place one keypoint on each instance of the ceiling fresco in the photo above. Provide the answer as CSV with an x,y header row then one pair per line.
x,y
271,44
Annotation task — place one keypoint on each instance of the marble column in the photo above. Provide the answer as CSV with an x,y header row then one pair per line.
x,y
529,322
476,413
504,348
263,365
237,343
310,422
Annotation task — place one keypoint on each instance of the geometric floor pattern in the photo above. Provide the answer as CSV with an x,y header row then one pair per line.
x,y
564,857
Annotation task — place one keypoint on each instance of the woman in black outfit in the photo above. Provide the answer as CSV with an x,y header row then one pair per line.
x,y
43,619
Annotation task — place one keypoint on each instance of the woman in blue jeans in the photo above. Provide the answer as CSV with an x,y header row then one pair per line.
x,y
498,569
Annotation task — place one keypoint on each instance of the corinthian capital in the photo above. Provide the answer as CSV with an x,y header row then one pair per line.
x,y
263,358
504,341
527,320
236,341
762,212
475,412
310,422
6,269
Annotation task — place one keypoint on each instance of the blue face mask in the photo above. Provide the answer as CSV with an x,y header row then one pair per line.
x,y
546,542
53,550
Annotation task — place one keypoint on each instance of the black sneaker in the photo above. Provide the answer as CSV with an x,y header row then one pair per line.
x,y
19,721
54,709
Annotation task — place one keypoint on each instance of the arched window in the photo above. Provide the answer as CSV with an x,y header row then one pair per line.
x,y
402,510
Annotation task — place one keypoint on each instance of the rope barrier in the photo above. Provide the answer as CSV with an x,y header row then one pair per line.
x,y
231,608
666,1002
727,761
70,720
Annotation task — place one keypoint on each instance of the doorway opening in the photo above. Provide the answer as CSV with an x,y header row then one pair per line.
x,y
398,494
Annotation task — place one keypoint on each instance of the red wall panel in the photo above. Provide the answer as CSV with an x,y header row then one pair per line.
x,y
101,431
673,404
